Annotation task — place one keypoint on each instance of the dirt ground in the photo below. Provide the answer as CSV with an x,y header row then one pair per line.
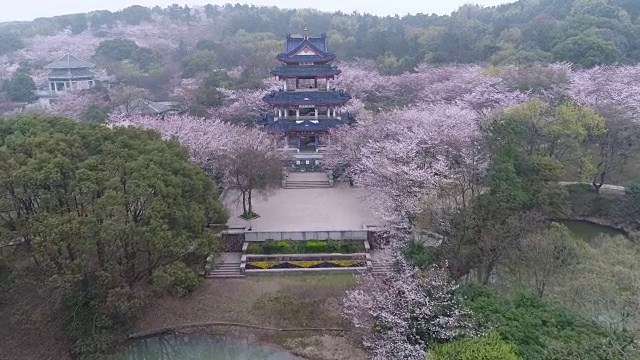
x,y
274,301
28,329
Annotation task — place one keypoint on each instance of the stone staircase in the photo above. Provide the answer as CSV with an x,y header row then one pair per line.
x,y
229,268
379,264
306,184
314,180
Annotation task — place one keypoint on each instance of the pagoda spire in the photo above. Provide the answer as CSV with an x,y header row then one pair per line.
x,y
306,32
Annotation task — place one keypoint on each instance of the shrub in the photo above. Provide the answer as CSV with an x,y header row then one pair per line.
x,y
487,347
580,188
314,246
420,255
542,329
304,247
176,278
284,247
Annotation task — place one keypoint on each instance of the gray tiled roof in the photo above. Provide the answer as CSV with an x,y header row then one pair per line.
x,y
293,42
307,97
69,62
282,125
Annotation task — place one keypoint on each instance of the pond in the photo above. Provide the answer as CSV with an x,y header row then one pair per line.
x,y
589,231
199,347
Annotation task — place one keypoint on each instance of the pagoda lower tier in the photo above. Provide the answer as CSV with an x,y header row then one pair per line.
x,y
304,134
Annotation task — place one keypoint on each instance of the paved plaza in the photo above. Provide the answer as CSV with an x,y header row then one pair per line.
x,y
321,209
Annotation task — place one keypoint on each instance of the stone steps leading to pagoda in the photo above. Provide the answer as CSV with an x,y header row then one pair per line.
x,y
306,184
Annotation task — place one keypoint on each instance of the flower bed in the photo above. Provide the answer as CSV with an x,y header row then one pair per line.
x,y
305,247
318,264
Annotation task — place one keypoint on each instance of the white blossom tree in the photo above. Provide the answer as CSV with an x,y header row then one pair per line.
x,y
405,310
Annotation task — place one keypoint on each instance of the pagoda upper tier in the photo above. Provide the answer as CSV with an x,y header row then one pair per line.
x,y
306,71
306,50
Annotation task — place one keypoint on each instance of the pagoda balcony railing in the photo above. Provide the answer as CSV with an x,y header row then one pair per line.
x,y
47,93
322,149
307,89
306,117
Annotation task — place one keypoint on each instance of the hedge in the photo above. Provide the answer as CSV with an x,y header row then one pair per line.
x,y
305,247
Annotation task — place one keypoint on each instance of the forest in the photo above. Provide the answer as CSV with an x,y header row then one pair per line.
x,y
146,47
489,128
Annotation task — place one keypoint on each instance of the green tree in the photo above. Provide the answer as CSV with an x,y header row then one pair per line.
x,y
208,95
486,347
116,49
538,259
21,87
588,51
202,61
10,41
100,211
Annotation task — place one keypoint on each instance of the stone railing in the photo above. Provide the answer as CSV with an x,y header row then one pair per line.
x,y
355,234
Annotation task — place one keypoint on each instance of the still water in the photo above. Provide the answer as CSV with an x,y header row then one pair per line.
x,y
589,231
199,347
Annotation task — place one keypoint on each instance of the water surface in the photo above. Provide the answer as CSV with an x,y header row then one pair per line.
x,y
199,347
589,231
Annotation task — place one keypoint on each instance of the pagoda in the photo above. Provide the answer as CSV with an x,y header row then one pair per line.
x,y
70,73
306,107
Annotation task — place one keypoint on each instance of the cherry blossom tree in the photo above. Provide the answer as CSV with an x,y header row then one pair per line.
x,y
470,85
607,86
406,310
76,104
242,106
50,48
402,155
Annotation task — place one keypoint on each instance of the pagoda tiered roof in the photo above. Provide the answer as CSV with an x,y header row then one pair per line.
x,y
306,50
304,125
316,98
69,62
302,71
75,73
294,42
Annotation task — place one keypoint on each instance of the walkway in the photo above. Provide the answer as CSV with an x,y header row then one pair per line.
x,y
604,187
319,209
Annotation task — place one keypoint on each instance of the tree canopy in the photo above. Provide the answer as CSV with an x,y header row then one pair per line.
x,y
106,214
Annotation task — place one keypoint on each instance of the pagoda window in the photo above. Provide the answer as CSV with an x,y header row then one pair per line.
x,y
305,111
289,84
307,63
306,84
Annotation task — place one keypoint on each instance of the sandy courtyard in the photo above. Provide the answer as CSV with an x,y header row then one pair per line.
x,y
321,209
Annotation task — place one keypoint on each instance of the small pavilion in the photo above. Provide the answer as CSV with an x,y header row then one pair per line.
x,y
70,73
